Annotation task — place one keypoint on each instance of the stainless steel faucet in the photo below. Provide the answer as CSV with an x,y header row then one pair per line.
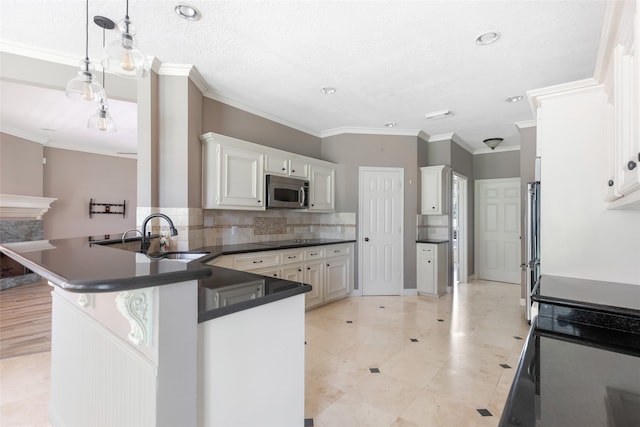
x,y
145,242
128,231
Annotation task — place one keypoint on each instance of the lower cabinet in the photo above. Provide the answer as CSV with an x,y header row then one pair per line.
x,y
431,269
328,269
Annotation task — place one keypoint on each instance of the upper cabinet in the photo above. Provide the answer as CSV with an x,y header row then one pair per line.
x,y
618,69
234,174
283,166
321,188
435,190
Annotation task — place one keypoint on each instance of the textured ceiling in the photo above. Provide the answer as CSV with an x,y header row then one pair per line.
x,y
390,61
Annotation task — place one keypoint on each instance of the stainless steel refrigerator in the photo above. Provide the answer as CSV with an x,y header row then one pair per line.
x,y
533,245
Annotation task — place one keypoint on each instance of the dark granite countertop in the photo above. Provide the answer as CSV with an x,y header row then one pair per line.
x,y
581,362
433,241
89,266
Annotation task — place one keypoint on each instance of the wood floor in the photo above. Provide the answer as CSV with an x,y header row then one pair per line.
x,y
25,320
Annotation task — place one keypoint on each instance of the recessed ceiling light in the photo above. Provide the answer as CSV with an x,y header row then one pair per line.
x,y
390,124
328,90
487,38
514,98
438,114
48,129
188,12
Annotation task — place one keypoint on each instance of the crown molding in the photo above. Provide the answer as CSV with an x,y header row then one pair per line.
x,y
579,86
235,104
38,53
525,124
19,133
497,149
369,131
452,136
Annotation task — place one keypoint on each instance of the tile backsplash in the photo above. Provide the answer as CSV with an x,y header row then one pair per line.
x,y
231,227
433,226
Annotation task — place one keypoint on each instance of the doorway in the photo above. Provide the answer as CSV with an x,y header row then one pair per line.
x,y
459,228
381,230
497,229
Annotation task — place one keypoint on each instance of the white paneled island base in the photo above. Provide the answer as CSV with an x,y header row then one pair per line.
x,y
251,367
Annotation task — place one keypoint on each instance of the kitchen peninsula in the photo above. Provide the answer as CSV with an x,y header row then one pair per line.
x,y
139,341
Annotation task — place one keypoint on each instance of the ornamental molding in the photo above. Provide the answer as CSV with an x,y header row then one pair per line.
x,y
17,206
137,308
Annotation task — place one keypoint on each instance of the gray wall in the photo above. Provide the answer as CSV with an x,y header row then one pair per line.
x,y
351,151
74,177
230,121
20,166
504,164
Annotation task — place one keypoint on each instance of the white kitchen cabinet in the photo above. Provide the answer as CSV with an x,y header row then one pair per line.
x,y
620,69
233,177
431,269
328,268
284,166
321,188
435,190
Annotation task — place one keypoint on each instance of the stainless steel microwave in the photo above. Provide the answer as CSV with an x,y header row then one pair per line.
x,y
287,193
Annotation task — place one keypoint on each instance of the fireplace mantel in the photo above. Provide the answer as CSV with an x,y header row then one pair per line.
x,y
17,206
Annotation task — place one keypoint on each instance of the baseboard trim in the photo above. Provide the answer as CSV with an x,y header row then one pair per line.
x,y
410,292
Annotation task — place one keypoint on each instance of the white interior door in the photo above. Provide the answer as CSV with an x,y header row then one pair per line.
x,y
497,254
381,231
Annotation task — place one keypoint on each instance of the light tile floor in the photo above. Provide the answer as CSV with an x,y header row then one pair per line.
x,y
452,369
442,379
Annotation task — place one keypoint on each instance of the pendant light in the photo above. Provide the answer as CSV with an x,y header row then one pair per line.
x,y
83,86
123,55
102,120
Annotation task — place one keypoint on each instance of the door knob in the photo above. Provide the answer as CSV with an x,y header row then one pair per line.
x,y
366,239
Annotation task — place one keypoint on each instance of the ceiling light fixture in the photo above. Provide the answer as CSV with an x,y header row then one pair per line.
x,y
390,124
188,12
514,98
123,55
328,90
102,120
487,38
83,87
493,142
438,114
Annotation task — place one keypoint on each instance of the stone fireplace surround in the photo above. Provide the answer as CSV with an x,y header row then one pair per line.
x,y
20,221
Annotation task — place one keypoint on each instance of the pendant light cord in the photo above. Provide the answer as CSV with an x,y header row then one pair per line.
x,y
127,14
86,33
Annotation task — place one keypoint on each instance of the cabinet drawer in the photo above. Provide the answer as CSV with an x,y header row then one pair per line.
x,y
332,251
315,253
289,257
253,261
426,250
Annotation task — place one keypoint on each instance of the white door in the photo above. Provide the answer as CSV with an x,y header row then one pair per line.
x,y
381,230
498,229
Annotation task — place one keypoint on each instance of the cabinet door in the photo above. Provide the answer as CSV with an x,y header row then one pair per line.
x,y
336,277
426,269
321,191
269,271
313,275
298,168
241,178
435,190
294,273
276,165
626,120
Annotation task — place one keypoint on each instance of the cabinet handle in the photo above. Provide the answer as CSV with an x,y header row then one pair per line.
x,y
308,268
299,269
366,239
259,201
257,262
429,262
284,169
328,265
293,171
275,274
291,257
631,165
610,183
314,254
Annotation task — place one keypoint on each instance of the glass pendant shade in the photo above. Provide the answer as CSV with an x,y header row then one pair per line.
x,y
83,86
101,120
123,55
